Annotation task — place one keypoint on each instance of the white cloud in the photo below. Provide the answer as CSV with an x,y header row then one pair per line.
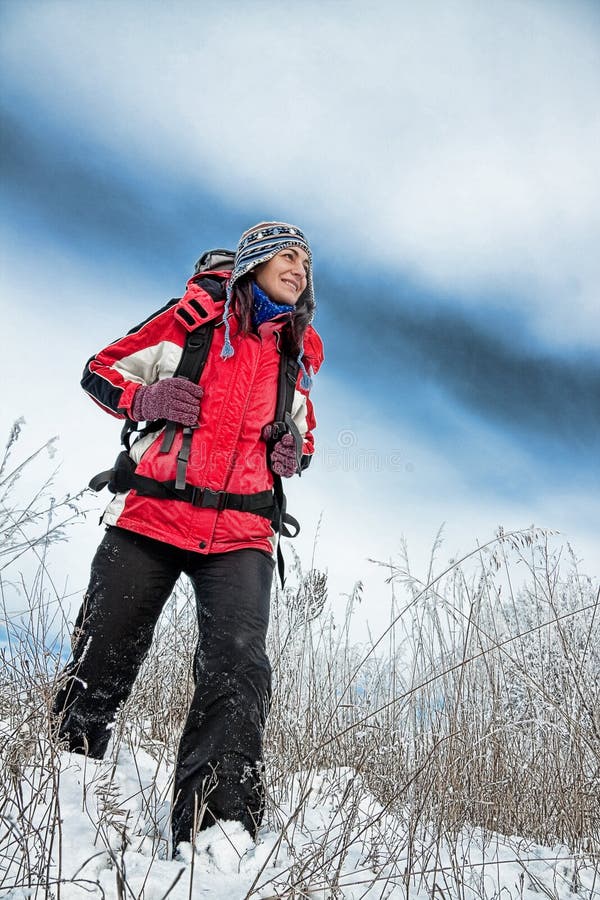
x,y
456,140
374,482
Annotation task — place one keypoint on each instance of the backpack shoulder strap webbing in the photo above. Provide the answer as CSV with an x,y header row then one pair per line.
x,y
288,374
191,365
283,424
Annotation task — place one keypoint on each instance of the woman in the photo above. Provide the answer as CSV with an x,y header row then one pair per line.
x,y
197,498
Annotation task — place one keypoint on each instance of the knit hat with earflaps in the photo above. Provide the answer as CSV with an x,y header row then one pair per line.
x,y
258,245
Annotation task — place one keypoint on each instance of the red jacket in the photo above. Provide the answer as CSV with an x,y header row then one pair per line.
x,y
227,452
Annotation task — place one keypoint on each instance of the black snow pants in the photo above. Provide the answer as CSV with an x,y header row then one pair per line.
x,y
131,579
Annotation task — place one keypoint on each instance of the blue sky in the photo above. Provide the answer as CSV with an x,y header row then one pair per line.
x,y
442,158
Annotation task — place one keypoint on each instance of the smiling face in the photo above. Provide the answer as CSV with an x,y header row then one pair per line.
x,y
284,277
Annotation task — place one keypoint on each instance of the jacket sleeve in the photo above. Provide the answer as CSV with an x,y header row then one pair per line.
x,y
112,377
303,412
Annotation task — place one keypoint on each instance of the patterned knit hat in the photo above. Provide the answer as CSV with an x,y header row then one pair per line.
x,y
257,245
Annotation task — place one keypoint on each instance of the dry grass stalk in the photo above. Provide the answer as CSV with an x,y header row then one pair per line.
x,y
477,708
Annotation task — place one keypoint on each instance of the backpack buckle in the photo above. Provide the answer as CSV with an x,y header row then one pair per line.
x,y
278,431
213,499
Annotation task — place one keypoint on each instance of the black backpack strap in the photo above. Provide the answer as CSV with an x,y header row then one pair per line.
x,y
192,362
183,457
123,477
195,352
284,424
100,481
288,375
192,315
281,522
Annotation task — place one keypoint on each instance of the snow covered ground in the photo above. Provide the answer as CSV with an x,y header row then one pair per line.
x,y
325,837
478,704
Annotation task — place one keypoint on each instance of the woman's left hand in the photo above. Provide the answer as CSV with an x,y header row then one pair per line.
x,y
283,457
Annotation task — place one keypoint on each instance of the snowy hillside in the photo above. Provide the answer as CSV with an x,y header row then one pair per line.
x,y
455,755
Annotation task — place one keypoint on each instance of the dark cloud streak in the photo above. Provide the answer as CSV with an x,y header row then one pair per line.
x,y
91,200
382,337
480,366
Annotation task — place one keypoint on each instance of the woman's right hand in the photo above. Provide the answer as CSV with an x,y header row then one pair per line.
x,y
174,399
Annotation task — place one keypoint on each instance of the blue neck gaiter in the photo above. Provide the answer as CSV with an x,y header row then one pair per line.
x,y
264,308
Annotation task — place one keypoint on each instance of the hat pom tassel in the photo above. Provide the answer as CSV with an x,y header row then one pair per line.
x,y
227,350
306,381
